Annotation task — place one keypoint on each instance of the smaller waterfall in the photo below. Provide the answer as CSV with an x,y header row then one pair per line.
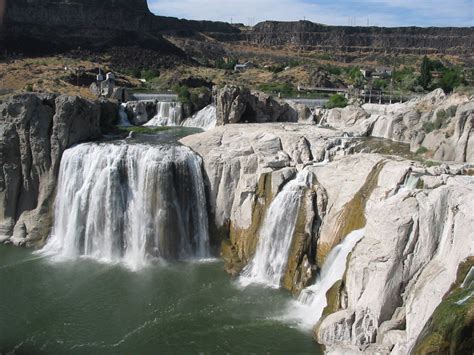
x,y
167,114
276,234
205,119
308,309
411,182
123,122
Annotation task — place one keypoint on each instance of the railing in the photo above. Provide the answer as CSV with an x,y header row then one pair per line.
x,y
161,97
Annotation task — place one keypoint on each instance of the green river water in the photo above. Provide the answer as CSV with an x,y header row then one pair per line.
x,y
84,307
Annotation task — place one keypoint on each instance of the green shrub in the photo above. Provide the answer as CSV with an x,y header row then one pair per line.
x,y
337,100
184,95
149,74
428,127
333,69
422,150
227,64
29,88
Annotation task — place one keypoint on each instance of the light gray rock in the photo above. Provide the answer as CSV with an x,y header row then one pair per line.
x,y
35,130
236,104
414,242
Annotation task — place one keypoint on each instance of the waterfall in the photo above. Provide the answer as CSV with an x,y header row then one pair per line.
x,y
130,203
276,234
308,309
205,119
167,114
123,122
410,183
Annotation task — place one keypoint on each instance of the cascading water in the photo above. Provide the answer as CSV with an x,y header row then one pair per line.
x,y
268,265
308,309
130,203
205,119
167,114
123,117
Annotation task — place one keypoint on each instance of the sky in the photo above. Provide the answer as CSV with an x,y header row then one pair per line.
x,y
458,13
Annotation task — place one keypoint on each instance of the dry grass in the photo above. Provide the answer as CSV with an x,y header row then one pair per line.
x,y
46,74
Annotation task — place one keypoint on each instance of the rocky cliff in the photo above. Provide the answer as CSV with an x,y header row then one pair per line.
x,y
308,35
37,26
35,130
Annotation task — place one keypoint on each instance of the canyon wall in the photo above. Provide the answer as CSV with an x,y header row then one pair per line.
x,y
416,40
35,27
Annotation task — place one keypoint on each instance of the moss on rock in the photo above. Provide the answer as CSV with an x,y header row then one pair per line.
x,y
352,216
242,243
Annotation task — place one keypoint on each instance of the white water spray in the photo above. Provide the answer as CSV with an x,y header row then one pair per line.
x,y
205,119
308,309
269,263
130,203
167,114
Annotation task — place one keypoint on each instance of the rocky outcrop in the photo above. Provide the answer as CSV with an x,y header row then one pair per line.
x,y
441,125
239,105
35,130
246,167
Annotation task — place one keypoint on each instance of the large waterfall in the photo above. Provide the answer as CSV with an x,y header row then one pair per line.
x,y
308,309
276,234
130,203
205,119
167,114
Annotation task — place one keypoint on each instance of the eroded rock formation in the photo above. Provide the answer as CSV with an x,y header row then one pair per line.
x,y
239,105
440,124
35,130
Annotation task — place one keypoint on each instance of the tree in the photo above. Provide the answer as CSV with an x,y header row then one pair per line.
x,y
337,100
425,78
451,79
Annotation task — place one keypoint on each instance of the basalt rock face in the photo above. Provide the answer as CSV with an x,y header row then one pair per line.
x,y
308,35
35,130
37,26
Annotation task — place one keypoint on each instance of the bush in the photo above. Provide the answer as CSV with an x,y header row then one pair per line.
x,y
337,100
380,84
29,88
450,80
332,69
184,95
227,64
428,127
149,74
422,150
